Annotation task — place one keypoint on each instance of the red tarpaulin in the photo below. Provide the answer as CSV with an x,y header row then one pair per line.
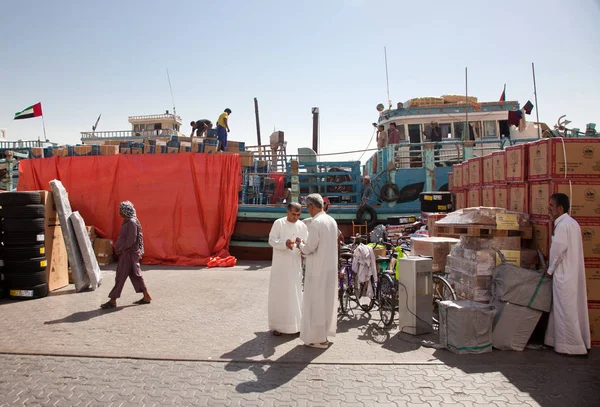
x,y
187,203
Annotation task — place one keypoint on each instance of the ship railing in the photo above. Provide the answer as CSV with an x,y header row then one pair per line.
x,y
128,134
19,144
155,117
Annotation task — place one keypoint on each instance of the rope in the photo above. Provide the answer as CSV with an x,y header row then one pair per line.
x,y
367,149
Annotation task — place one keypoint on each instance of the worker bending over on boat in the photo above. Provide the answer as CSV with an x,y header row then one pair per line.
x,y
201,127
285,284
223,129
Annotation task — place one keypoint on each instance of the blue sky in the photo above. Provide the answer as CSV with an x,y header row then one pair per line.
x,y
82,58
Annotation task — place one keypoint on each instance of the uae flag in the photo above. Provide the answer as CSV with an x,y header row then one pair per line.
x,y
31,111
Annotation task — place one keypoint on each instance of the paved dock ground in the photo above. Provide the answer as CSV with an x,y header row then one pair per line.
x,y
204,340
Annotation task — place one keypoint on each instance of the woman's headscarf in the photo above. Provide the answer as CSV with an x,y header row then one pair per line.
x,y
127,209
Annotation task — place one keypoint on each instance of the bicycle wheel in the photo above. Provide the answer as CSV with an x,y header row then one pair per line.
x,y
364,302
343,297
387,299
442,291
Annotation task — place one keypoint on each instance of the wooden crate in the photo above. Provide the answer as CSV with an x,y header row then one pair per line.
x,y
481,231
57,270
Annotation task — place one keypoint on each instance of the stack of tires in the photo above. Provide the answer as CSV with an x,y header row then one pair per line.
x,y
23,250
438,201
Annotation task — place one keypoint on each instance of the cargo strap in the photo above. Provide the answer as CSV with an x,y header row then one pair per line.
x,y
537,289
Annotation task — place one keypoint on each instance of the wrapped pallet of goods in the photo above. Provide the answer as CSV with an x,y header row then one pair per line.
x,y
481,230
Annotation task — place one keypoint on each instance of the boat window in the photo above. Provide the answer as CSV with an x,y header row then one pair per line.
x,y
475,130
414,133
401,132
459,130
489,129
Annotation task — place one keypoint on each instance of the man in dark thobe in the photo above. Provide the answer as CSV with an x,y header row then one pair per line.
x,y
129,248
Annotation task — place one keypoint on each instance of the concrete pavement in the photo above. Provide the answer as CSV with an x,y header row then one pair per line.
x,y
204,341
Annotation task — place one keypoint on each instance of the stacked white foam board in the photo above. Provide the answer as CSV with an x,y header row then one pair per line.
x,y
513,325
466,326
63,207
87,250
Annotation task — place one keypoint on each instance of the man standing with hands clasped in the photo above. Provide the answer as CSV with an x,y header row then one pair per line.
x,y
568,327
285,285
319,312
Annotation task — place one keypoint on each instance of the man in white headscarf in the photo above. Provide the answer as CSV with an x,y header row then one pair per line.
x,y
568,327
285,285
319,312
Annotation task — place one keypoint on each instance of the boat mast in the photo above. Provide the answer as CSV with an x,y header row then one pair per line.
x,y
257,120
387,80
172,100
467,133
537,113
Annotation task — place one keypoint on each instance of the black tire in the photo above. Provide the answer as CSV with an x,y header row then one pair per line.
x,y
23,225
387,299
361,216
25,266
389,192
20,198
24,211
23,253
37,291
442,291
343,298
14,239
25,279
364,302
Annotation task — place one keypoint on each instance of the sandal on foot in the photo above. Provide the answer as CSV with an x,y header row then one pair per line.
x,y
141,302
276,333
318,345
107,305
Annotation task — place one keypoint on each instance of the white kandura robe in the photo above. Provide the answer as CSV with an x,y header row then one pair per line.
x,y
319,312
285,284
568,327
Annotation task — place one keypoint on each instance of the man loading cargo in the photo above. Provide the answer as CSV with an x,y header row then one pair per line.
x,y
223,129
568,327
201,127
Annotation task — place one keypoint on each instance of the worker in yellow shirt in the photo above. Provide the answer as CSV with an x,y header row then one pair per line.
x,y
223,129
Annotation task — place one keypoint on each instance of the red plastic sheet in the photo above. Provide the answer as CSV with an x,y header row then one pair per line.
x,y
187,203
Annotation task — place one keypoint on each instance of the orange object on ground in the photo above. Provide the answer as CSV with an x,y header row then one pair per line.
x,y
228,261
187,204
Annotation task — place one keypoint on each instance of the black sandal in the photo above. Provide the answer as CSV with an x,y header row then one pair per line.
x,y
107,305
141,302
276,333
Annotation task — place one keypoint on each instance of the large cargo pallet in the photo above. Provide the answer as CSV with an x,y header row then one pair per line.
x,y
457,231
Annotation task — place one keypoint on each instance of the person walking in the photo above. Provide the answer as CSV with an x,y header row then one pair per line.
x,y
285,284
129,248
319,310
568,326
223,129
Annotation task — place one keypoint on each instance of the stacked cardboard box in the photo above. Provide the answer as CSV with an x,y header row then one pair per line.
x,y
104,251
570,166
437,248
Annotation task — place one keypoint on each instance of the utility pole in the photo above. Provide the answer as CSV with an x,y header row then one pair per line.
x,y
257,120
315,113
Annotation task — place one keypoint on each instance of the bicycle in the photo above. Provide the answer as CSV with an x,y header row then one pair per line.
x,y
346,274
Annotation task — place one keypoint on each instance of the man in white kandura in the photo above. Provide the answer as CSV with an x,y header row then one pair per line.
x,y
285,285
568,327
319,312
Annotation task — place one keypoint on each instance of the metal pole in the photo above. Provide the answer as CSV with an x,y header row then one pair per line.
x,y
44,127
315,112
257,120
537,113
387,80
467,134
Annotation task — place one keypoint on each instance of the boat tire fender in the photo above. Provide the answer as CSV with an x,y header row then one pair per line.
x,y
362,211
389,192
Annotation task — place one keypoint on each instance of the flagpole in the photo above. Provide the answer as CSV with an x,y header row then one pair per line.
x,y
537,113
44,127
467,133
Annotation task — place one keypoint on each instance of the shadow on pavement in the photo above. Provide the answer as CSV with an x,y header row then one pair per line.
x,y
263,344
273,375
83,316
549,378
